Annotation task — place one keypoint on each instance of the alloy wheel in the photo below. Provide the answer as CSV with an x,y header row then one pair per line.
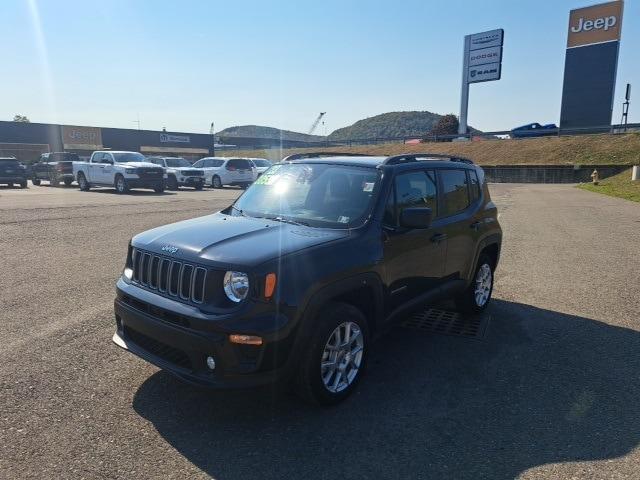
x,y
342,357
483,285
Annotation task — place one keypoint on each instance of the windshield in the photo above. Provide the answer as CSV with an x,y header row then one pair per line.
x,y
320,195
126,157
177,162
262,163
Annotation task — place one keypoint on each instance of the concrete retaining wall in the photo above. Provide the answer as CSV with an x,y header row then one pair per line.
x,y
548,173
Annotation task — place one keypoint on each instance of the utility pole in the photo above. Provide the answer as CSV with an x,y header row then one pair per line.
x,y
625,107
213,139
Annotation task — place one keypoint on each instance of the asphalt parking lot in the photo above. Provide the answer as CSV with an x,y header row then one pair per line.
x,y
550,390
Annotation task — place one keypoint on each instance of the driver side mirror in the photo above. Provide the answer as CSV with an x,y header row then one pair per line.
x,y
107,161
416,217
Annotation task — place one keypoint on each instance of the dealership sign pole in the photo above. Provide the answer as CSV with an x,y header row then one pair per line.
x,y
481,62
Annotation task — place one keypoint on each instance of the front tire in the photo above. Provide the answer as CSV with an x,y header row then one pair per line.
x,y
23,184
336,356
68,181
35,181
121,184
216,182
82,182
478,294
159,189
198,187
54,181
172,183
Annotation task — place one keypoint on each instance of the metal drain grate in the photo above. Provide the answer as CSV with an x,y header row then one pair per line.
x,y
446,322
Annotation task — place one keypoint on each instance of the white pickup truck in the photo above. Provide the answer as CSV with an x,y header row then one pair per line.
x,y
122,170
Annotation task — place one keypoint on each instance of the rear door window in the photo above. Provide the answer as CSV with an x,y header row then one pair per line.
x,y
455,191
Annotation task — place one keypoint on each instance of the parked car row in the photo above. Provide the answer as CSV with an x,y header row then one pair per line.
x,y
126,170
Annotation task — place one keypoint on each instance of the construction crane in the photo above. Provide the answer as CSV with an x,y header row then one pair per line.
x,y
316,122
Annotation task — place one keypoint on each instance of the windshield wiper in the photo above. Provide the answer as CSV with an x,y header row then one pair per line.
x,y
289,220
239,210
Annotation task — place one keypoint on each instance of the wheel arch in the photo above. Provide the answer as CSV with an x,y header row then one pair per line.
x,y
363,291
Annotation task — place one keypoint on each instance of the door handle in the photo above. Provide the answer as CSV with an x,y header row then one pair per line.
x,y
476,225
438,237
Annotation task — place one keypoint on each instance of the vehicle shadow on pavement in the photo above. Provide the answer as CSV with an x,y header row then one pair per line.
x,y
541,387
135,193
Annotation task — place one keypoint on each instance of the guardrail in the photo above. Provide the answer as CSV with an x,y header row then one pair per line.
x,y
264,143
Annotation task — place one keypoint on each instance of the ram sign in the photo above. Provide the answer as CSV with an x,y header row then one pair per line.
x,y
591,62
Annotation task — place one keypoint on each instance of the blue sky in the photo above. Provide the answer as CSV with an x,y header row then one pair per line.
x,y
185,64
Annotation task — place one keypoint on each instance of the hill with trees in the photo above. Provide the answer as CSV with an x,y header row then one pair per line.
x,y
391,124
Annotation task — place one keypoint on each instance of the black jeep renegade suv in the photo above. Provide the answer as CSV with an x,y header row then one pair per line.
x,y
292,281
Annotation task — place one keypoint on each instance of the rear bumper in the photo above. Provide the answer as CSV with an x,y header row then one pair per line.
x,y
183,350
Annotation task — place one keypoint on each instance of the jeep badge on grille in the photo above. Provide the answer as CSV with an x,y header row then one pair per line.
x,y
170,249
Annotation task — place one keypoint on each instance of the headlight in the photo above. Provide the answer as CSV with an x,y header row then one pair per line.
x,y
236,286
128,273
130,170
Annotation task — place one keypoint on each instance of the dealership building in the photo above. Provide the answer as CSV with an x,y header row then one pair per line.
x,y
26,141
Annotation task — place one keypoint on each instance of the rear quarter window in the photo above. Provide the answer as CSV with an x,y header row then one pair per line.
x,y
455,191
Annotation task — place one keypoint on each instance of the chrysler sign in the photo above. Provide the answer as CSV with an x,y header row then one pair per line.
x,y
492,38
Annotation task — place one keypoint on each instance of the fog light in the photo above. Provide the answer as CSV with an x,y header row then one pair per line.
x,y
211,363
128,273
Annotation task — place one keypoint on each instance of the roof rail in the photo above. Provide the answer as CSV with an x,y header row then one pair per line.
x,y
297,156
418,157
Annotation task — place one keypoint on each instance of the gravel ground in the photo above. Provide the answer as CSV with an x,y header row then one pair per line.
x,y
550,391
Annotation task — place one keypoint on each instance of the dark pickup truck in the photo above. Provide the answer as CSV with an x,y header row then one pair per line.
x,y
12,171
54,168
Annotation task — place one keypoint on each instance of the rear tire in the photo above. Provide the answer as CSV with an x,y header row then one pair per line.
x,y
216,182
23,184
172,183
121,184
159,189
68,182
82,182
478,294
331,366
35,181
199,187
54,181
10,184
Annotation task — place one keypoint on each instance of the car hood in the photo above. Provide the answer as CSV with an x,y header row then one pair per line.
x,y
232,241
139,164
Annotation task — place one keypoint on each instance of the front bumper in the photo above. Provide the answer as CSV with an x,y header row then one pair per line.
x,y
145,183
160,331
191,182
12,178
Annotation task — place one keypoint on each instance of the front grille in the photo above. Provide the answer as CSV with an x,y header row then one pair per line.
x,y
159,349
168,276
150,173
192,173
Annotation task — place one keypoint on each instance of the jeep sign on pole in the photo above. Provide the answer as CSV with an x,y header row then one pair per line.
x,y
591,62
481,62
